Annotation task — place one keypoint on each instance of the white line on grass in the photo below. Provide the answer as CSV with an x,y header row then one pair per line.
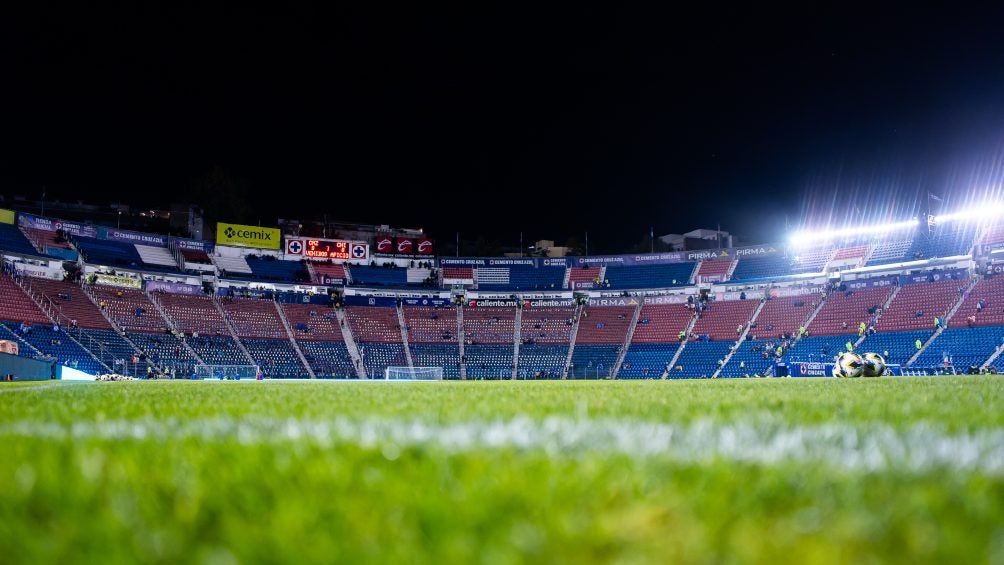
x,y
871,447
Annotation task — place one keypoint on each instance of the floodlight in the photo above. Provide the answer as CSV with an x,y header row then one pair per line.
x,y
984,212
802,238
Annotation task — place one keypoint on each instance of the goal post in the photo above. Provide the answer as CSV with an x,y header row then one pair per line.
x,y
413,374
226,372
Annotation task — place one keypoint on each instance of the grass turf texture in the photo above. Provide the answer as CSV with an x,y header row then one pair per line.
x,y
120,472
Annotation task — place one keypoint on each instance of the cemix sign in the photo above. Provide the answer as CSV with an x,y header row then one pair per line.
x,y
247,236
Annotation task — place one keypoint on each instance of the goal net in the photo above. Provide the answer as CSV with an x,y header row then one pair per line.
x,y
226,372
413,374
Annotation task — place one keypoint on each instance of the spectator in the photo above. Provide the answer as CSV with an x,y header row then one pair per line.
x,y
918,344
849,346
73,323
937,322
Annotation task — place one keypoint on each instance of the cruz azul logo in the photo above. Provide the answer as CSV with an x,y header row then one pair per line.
x,y
294,247
358,251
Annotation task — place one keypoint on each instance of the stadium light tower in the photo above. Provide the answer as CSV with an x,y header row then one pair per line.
x,y
985,212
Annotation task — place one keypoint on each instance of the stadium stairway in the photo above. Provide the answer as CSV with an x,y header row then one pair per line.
x,y
683,344
89,293
350,343
232,329
171,325
627,340
571,342
517,331
947,319
461,338
741,339
292,340
878,316
404,336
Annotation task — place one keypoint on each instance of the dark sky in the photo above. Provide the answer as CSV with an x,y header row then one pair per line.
x,y
495,120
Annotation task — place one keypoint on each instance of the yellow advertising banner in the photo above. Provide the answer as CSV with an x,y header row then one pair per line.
x,y
6,216
247,236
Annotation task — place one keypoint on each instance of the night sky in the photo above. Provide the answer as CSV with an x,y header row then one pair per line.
x,y
492,121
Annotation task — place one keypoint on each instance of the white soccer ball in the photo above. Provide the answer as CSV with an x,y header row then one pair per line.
x,y
849,366
874,364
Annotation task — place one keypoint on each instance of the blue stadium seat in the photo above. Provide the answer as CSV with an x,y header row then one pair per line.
x,y
276,357
379,356
647,360
700,359
962,346
754,268
364,275
328,359
11,239
271,269
58,346
546,359
749,359
522,277
489,362
650,276
900,345
446,356
593,361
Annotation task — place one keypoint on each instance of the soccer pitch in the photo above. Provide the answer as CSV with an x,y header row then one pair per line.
x,y
780,470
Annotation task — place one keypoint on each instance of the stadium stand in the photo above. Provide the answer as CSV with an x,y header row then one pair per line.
x,y
196,256
70,302
993,236
720,319
647,360
16,306
117,254
649,276
427,324
374,324
254,317
312,322
458,273
713,270
218,349
946,240
364,275
917,304
812,260
276,357
983,305
328,271
519,277
328,359
488,361
890,252
379,356
446,356
700,358
661,323
193,314
604,324
593,361
842,312
57,346
546,325
275,270
585,276
232,266
819,348
130,309
961,347
762,267
13,241
159,256
45,239
783,315
751,358
541,360
899,345
490,325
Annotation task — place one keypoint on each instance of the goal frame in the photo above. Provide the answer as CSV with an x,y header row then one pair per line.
x,y
416,373
230,372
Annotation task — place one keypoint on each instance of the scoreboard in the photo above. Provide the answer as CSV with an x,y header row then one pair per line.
x,y
318,249
336,249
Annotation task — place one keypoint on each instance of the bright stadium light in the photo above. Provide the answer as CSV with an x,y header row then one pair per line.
x,y
984,212
803,238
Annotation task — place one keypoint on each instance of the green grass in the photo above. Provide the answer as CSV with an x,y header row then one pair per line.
x,y
322,472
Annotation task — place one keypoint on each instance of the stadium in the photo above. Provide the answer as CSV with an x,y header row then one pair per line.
x,y
353,283
287,307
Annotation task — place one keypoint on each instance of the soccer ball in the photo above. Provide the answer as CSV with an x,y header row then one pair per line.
x,y
874,364
849,366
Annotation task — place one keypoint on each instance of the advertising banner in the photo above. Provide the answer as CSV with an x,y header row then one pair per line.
x,y
877,282
115,280
671,299
424,246
385,245
192,244
960,275
133,237
6,216
614,301
492,303
554,262
754,251
332,281
707,254
784,292
548,303
356,300
173,287
73,228
435,302
238,235
404,246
